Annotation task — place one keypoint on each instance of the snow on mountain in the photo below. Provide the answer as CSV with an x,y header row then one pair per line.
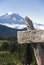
x,y
16,26
38,26
14,20
10,13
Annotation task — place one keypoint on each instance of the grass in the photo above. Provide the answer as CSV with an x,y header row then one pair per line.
x,y
8,57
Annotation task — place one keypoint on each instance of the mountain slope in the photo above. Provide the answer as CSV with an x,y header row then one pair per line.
x,y
13,21
6,32
10,24
13,18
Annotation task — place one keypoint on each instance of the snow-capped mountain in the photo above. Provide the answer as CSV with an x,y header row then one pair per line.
x,y
10,23
12,20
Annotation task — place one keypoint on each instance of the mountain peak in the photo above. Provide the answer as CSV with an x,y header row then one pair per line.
x,y
10,13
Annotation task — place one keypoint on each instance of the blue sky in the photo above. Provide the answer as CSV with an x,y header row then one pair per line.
x,y
34,9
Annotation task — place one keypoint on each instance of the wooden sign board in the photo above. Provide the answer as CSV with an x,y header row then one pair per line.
x,y
32,36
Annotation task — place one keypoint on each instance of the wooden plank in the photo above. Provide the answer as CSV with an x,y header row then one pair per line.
x,y
32,36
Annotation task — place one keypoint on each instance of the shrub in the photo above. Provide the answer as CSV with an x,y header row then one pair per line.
x,y
5,46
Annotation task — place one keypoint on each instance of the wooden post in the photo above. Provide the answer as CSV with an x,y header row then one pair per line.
x,y
36,47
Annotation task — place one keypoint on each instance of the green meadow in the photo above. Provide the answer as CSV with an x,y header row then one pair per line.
x,y
11,53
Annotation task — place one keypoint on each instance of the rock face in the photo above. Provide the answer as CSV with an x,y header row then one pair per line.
x,y
29,23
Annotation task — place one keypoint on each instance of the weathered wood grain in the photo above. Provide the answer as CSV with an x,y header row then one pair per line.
x,y
32,36
36,47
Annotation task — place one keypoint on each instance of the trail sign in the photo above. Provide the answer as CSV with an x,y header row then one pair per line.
x,y
32,36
